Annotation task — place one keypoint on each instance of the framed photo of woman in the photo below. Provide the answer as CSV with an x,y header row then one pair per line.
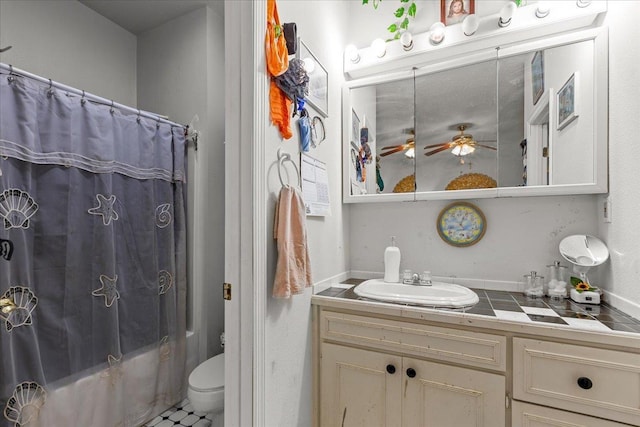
x,y
454,11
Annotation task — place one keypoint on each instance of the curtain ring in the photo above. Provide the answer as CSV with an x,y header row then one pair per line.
x,y
112,110
83,101
10,79
50,90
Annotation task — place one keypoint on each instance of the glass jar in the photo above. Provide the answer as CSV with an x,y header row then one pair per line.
x,y
533,285
557,284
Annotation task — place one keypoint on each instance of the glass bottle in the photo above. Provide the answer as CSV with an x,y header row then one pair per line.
x,y
557,284
533,285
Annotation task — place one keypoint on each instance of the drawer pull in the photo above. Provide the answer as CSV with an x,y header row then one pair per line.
x,y
585,383
391,369
411,373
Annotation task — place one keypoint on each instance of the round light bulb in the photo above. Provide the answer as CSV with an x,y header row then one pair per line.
x,y
506,13
379,47
470,25
543,9
410,153
406,40
436,33
351,52
309,65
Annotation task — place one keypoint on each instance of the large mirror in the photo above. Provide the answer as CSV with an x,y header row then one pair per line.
x,y
520,120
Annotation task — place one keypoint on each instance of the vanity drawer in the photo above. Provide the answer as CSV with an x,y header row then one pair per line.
x,y
527,415
446,344
604,383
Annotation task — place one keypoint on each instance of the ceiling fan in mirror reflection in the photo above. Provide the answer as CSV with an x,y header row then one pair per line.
x,y
408,147
460,145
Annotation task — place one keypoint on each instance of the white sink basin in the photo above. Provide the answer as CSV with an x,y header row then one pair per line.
x,y
437,295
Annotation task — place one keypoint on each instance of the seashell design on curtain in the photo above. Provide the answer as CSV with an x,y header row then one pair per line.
x,y
92,261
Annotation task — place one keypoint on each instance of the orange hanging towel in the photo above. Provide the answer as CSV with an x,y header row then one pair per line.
x,y
277,58
280,106
275,43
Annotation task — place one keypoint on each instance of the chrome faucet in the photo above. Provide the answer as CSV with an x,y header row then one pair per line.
x,y
418,280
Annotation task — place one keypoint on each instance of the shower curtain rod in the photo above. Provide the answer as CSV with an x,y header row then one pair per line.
x,y
94,98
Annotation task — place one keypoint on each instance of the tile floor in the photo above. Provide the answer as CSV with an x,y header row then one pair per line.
x,y
181,415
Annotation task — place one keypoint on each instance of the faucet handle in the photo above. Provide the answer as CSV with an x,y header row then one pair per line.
x,y
425,278
406,277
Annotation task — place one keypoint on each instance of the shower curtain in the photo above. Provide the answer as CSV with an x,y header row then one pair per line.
x,y
92,260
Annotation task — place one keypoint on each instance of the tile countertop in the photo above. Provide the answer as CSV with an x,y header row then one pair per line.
x,y
506,311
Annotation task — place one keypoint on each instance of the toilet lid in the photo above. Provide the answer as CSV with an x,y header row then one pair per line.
x,y
209,375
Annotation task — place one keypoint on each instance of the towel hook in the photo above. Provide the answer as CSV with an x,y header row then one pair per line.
x,y
283,157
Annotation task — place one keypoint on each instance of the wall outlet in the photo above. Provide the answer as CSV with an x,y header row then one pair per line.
x,y
606,209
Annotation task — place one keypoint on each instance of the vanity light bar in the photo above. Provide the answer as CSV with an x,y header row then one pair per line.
x,y
476,33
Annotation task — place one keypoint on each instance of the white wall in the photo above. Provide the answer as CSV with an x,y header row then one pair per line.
x,y
288,322
622,234
180,75
67,42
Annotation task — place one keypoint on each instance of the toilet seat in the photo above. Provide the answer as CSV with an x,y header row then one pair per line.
x,y
209,375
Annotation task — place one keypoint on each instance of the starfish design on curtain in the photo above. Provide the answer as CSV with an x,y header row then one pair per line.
x,y
114,371
105,208
108,290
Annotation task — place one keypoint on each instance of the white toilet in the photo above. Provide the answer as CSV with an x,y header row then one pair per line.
x,y
206,386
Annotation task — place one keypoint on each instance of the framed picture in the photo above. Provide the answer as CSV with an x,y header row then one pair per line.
x,y
355,129
454,11
567,101
537,76
318,80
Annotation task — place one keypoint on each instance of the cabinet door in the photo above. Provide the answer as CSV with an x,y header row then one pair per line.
x,y
446,396
357,388
526,415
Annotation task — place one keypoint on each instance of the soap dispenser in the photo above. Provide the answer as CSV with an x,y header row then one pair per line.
x,y
392,262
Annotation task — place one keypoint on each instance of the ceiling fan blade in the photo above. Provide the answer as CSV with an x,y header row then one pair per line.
x,y
389,147
437,145
445,147
396,150
486,146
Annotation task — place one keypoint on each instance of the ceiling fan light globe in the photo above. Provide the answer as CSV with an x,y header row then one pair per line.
x,y
467,149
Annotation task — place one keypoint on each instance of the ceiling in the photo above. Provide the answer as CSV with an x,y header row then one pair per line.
x,y
138,16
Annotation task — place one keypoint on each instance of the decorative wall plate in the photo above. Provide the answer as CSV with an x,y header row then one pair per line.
x,y
461,224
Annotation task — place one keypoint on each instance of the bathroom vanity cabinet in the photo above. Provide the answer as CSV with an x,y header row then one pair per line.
x,y
379,364
370,387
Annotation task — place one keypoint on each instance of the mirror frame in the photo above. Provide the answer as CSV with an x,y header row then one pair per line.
x,y
598,35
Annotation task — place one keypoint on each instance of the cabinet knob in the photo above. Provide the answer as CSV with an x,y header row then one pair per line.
x,y
411,372
391,369
585,383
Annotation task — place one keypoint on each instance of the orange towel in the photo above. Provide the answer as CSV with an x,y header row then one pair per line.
x,y
293,271
274,42
280,106
277,58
